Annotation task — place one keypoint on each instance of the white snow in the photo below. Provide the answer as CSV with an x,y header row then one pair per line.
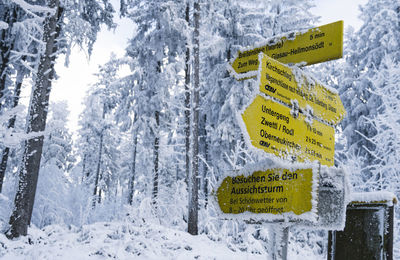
x,y
34,8
3,25
386,197
116,240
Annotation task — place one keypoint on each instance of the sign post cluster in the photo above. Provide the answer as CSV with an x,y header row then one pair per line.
x,y
292,116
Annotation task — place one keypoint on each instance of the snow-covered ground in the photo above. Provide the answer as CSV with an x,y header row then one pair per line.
x,y
120,240
115,240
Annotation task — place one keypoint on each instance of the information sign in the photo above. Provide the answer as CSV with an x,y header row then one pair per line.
x,y
274,191
316,45
271,127
280,81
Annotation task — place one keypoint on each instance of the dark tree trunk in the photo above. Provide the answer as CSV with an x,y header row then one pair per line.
x,y
98,173
97,188
156,146
99,197
133,171
194,181
36,123
205,167
156,159
6,46
187,103
83,168
11,124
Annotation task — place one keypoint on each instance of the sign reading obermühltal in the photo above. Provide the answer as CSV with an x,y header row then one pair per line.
x,y
270,193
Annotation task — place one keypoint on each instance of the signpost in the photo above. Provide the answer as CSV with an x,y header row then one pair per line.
x,y
316,45
273,191
279,81
271,127
287,193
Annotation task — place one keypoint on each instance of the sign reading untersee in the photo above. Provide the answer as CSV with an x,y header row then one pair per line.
x,y
318,44
271,127
279,81
273,191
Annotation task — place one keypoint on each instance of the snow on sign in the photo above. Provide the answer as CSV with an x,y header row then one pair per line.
x,y
316,45
286,84
277,192
271,127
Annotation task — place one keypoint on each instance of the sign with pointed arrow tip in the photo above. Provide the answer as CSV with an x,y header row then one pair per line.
x,y
271,127
287,84
316,45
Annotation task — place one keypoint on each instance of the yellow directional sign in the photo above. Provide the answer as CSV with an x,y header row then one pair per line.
x,y
316,45
271,127
279,81
274,191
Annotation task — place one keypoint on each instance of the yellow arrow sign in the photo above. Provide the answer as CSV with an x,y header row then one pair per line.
x,y
280,81
316,45
274,191
271,127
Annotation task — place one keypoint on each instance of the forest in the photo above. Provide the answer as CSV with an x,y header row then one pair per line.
x,y
139,174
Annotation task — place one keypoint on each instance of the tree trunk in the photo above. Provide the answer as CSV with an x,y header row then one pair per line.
x,y
98,168
133,172
83,167
6,46
187,103
99,197
156,159
97,181
11,124
36,123
193,184
205,167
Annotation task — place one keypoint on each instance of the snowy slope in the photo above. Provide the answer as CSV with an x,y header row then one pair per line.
x,y
115,240
124,240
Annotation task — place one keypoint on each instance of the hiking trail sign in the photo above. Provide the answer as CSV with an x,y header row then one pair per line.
x,y
315,45
271,127
273,191
286,84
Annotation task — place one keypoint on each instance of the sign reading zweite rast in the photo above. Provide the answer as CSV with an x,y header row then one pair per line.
x,y
279,81
316,45
271,127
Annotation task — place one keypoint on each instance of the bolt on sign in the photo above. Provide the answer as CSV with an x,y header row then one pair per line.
x,y
316,45
286,84
272,191
271,127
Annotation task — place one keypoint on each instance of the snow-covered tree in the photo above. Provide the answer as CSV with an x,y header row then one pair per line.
x,y
53,44
229,25
18,59
51,202
99,138
57,147
364,52
156,47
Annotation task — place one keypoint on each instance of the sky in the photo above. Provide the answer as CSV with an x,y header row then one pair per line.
x,y
335,10
74,80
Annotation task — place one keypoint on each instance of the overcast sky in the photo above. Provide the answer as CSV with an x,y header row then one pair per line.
x,y
73,81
